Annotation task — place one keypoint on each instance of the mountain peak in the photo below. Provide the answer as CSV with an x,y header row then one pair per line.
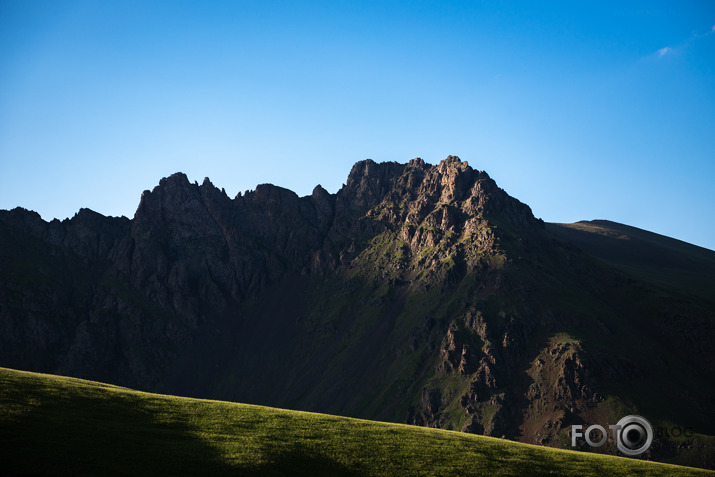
x,y
177,178
416,162
452,160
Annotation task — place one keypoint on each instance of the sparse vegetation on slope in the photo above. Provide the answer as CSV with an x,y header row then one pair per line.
x,y
52,425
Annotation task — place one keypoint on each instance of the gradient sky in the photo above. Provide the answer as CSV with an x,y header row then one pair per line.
x,y
583,110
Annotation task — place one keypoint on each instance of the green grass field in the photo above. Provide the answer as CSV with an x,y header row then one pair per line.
x,y
52,425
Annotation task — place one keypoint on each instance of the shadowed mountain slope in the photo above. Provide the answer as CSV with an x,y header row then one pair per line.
x,y
654,258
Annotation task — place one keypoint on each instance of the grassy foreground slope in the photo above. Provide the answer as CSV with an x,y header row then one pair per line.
x,y
52,425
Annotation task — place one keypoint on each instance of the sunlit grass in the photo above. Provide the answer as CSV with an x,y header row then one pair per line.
x,y
52,425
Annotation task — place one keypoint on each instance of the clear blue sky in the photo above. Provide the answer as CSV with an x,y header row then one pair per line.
x,y
583,110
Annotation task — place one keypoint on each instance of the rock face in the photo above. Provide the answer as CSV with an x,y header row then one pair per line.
x,y
418,293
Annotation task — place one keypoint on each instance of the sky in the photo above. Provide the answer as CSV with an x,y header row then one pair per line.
x,y
582,110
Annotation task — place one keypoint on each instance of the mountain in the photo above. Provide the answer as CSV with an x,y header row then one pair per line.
x,y
417,293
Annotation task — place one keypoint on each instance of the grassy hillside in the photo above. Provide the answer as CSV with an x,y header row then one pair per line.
x,y
53,425
654,258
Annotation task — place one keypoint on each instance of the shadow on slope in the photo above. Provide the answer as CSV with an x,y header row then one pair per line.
x,y
95,429
654,258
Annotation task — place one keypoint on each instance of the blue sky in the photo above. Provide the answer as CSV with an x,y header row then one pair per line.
x,y
583,110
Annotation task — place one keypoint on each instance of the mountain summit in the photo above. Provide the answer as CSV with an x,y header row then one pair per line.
x,y
417,293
